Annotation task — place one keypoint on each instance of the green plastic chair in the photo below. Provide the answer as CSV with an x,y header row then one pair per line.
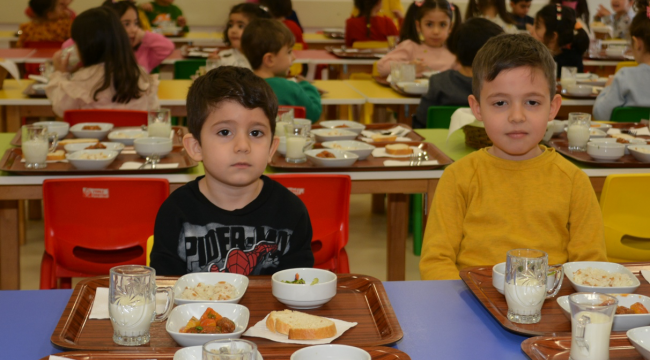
x,y
630,114
439,117
183,69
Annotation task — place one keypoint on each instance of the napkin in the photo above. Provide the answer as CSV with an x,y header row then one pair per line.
x,y
54,357
398,130
381,152
134,165
100,304
613,131
640,131
407,163
646,275
22,160
11,67
399,138
460,118
260,330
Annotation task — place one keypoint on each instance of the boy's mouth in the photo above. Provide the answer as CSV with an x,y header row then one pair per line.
x,y
517,134
241,165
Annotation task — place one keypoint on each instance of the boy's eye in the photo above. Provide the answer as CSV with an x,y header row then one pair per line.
x,y
257,133
532,102
224,132
499,103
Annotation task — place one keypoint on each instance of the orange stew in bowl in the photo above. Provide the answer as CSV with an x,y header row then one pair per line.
x,y
209,323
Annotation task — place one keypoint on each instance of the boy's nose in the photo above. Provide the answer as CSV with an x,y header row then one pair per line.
x,y
517,114
242,144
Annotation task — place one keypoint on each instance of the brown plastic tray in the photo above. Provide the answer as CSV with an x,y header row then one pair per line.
x,y
346,53
177,139
30,92
359,298
371,163
384,126
382,80
559,347
553,322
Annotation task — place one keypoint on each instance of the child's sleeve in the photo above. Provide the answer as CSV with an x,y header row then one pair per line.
x,y
309,97
167,229
57,91
403,53
157,48
300,253
586,229
444,231
612,96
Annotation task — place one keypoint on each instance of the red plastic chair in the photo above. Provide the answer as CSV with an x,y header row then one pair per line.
x,y
299,112
93,224
327,198
119,118
34,69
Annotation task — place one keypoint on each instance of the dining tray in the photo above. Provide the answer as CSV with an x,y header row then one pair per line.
x,y
371,163
559,347
568,95
627,161
385,126
269,353
553,322
177,137
349,53
204,50
32,93
359,298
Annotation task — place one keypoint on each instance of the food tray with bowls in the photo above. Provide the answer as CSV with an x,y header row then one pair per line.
x,y
371,163
359,298
384,127
334,33
350,53
35,90
197,52
268,353
569,95
558,347
553,322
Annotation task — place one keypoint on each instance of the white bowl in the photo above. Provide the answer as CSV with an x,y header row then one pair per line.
x,y
579,90
196,353
77,130
181,314
499,277
127,136
334,134
608,140
61,128
304,296
153,145
77,160
571,267
330,352
586,76
558,126
600,126
362,149
114,146
596,133
622,322
343,158
350,125
417,87
605,152
191,280
640,152
615,51
598,81
640,338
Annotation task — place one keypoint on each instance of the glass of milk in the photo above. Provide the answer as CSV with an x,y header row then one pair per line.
x,y
160,123
578,131
297,141
229,349
525,284
132,303
592,316
568,76
35,144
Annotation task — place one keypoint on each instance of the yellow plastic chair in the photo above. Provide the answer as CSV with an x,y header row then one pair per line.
x,y
149,248
296,69
370,44
623,64
624,206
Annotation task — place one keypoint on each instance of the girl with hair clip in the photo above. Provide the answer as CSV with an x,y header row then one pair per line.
x,y
240,15
109,78
629,87
427,26
493,10
580,7
367,25
554,27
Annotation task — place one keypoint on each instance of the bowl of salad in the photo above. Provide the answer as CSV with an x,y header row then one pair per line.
x,y
304,288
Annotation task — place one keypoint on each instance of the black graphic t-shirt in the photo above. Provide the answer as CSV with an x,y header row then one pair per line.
x,y
271,233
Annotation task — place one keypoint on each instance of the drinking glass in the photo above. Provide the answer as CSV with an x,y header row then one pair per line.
x,y
159,123
35,145
297,140
578,131
229,349
592,316
73,60
402,72
568,76
525,286
132,303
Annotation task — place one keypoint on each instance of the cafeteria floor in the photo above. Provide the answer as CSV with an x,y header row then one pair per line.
x,y
366,247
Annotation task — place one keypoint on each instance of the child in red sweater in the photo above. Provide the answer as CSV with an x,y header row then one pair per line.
x,y
367,26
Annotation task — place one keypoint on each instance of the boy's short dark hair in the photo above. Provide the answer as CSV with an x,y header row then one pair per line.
x,y
470,37
518,1
505,52
263,36
228,83
42,7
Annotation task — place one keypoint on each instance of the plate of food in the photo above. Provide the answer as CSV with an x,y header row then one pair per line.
x,y
114,146
631,312
333,134
91,159
196,324
127,137
362,149
209,287
93,130
600,276
343,124
196,353
331,157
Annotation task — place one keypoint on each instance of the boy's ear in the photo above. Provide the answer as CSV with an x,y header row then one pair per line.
x,y
274,146
192,147
268,59
556,102
475,106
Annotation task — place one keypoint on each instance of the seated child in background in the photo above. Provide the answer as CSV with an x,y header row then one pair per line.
x,y
519,14
433,20
110,77
516,193
281,10
452,87
367,25
493,10
160,12
629,87
64,6
240,15
233,219
620,20
268,46
51,22
554,27
392,9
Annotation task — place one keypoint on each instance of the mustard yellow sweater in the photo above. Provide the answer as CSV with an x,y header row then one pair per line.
x,y
485,206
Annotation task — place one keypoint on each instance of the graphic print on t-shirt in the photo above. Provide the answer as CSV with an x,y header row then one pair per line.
x,y
237,249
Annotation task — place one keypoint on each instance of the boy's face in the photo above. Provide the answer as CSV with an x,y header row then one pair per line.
x,y
236,144
281,62
521,8
515,108
621,6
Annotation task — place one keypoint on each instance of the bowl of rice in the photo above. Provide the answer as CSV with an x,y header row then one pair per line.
x,y
207,287
601,277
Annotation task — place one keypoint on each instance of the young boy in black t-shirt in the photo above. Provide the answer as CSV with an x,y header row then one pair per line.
x,y
519,14
233,219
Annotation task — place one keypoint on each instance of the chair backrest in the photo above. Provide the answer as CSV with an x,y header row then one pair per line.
x,y
327,198
623,64
184,69
119,118
370,45
630,114
93,224
42,44
299,112
623,203
296,68
439,117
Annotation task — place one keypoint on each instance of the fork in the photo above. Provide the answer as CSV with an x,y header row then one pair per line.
x,y
150,160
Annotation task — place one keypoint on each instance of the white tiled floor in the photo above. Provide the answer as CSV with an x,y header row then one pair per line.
x,y
366,247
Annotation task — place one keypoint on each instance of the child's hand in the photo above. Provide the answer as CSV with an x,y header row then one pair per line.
x,y
181,21
139,35
147,7
602,12
59,63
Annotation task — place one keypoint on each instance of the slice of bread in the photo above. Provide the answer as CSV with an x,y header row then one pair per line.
x,y
76,141
383,138
398,149
57,155
300,326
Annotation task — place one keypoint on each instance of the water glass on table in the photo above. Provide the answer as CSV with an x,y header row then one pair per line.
x,y
402,72
36,144
592,316
297,141
568,76
159,123
578,131
229,349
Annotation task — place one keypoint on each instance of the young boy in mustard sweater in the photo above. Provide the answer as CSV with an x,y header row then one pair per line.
x,y
516,193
